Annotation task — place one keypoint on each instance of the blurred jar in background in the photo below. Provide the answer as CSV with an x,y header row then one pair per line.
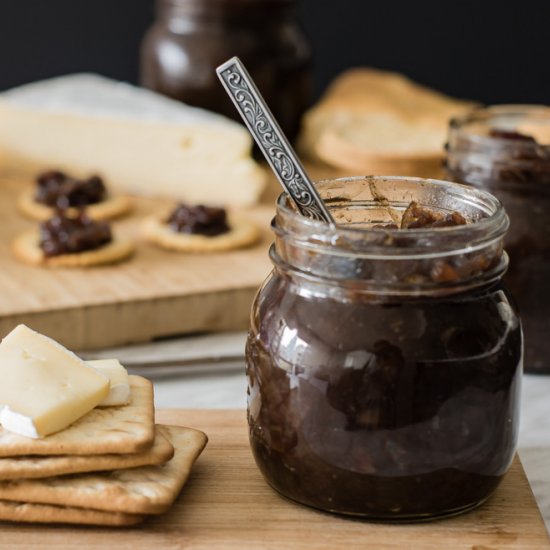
x,y
190,38
506,151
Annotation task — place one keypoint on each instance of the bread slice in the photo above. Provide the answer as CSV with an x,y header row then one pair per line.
x,y
373,121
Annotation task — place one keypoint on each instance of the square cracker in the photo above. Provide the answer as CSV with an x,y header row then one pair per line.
x,y
45,513
142,490
125,429
27,467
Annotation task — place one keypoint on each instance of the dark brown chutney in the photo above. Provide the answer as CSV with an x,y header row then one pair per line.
x,y
199,220
375,388
491,149
58,190
70,235
417,217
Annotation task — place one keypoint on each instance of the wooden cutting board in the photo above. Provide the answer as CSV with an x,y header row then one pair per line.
x,y
227,504
156,294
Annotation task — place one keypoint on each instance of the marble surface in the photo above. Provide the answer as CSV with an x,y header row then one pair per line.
x,y
208,381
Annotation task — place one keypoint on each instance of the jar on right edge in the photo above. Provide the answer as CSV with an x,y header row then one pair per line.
x,y
506,151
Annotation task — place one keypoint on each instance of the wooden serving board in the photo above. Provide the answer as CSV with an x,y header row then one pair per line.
x,y
155,294
227,504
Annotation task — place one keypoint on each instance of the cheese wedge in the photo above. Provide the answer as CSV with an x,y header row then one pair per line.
x,y
139,141
119,392
45,387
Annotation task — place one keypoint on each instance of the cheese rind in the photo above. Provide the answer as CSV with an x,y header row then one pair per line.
x,y
119,391
18,423
45,387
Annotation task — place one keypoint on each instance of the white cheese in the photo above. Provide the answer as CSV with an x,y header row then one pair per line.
x,y
18,423
139,141
119,391
45,387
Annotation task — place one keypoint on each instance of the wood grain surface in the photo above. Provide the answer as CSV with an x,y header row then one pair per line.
x,y
227,504
157,293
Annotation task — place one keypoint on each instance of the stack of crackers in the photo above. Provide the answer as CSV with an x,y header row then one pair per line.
x,y
114,466
378,122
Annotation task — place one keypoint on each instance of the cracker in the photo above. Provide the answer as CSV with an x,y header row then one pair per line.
x,y
26,248
125,429
45,513
143,490
32,467
110,208
242,232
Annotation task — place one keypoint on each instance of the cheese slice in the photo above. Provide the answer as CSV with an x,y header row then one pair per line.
x,y
45,387
119,392
139,141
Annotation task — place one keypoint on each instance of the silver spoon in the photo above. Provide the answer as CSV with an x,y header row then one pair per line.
x,y
271,140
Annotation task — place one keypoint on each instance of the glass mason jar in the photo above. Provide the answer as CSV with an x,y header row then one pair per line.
x,y
384,365
495,149
190,38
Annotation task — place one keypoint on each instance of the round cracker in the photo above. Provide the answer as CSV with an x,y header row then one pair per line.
x,y
242,232
112,207
27,249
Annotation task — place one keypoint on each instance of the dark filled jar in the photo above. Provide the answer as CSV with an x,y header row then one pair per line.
x,y
384,365
506,150
190,38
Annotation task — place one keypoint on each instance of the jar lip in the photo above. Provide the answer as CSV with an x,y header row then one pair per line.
x,y
493,112
229,3
200,7
492,225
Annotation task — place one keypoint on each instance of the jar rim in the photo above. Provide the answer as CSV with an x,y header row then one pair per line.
x,y
492,223
388,261
227,7
494,112
478,155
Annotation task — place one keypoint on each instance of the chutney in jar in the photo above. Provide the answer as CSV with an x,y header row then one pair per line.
x,y
506,150
384,364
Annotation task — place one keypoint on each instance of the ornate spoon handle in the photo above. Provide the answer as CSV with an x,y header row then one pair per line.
x,y
271,140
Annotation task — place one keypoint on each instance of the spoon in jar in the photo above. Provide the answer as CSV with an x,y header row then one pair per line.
x,y
272,142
